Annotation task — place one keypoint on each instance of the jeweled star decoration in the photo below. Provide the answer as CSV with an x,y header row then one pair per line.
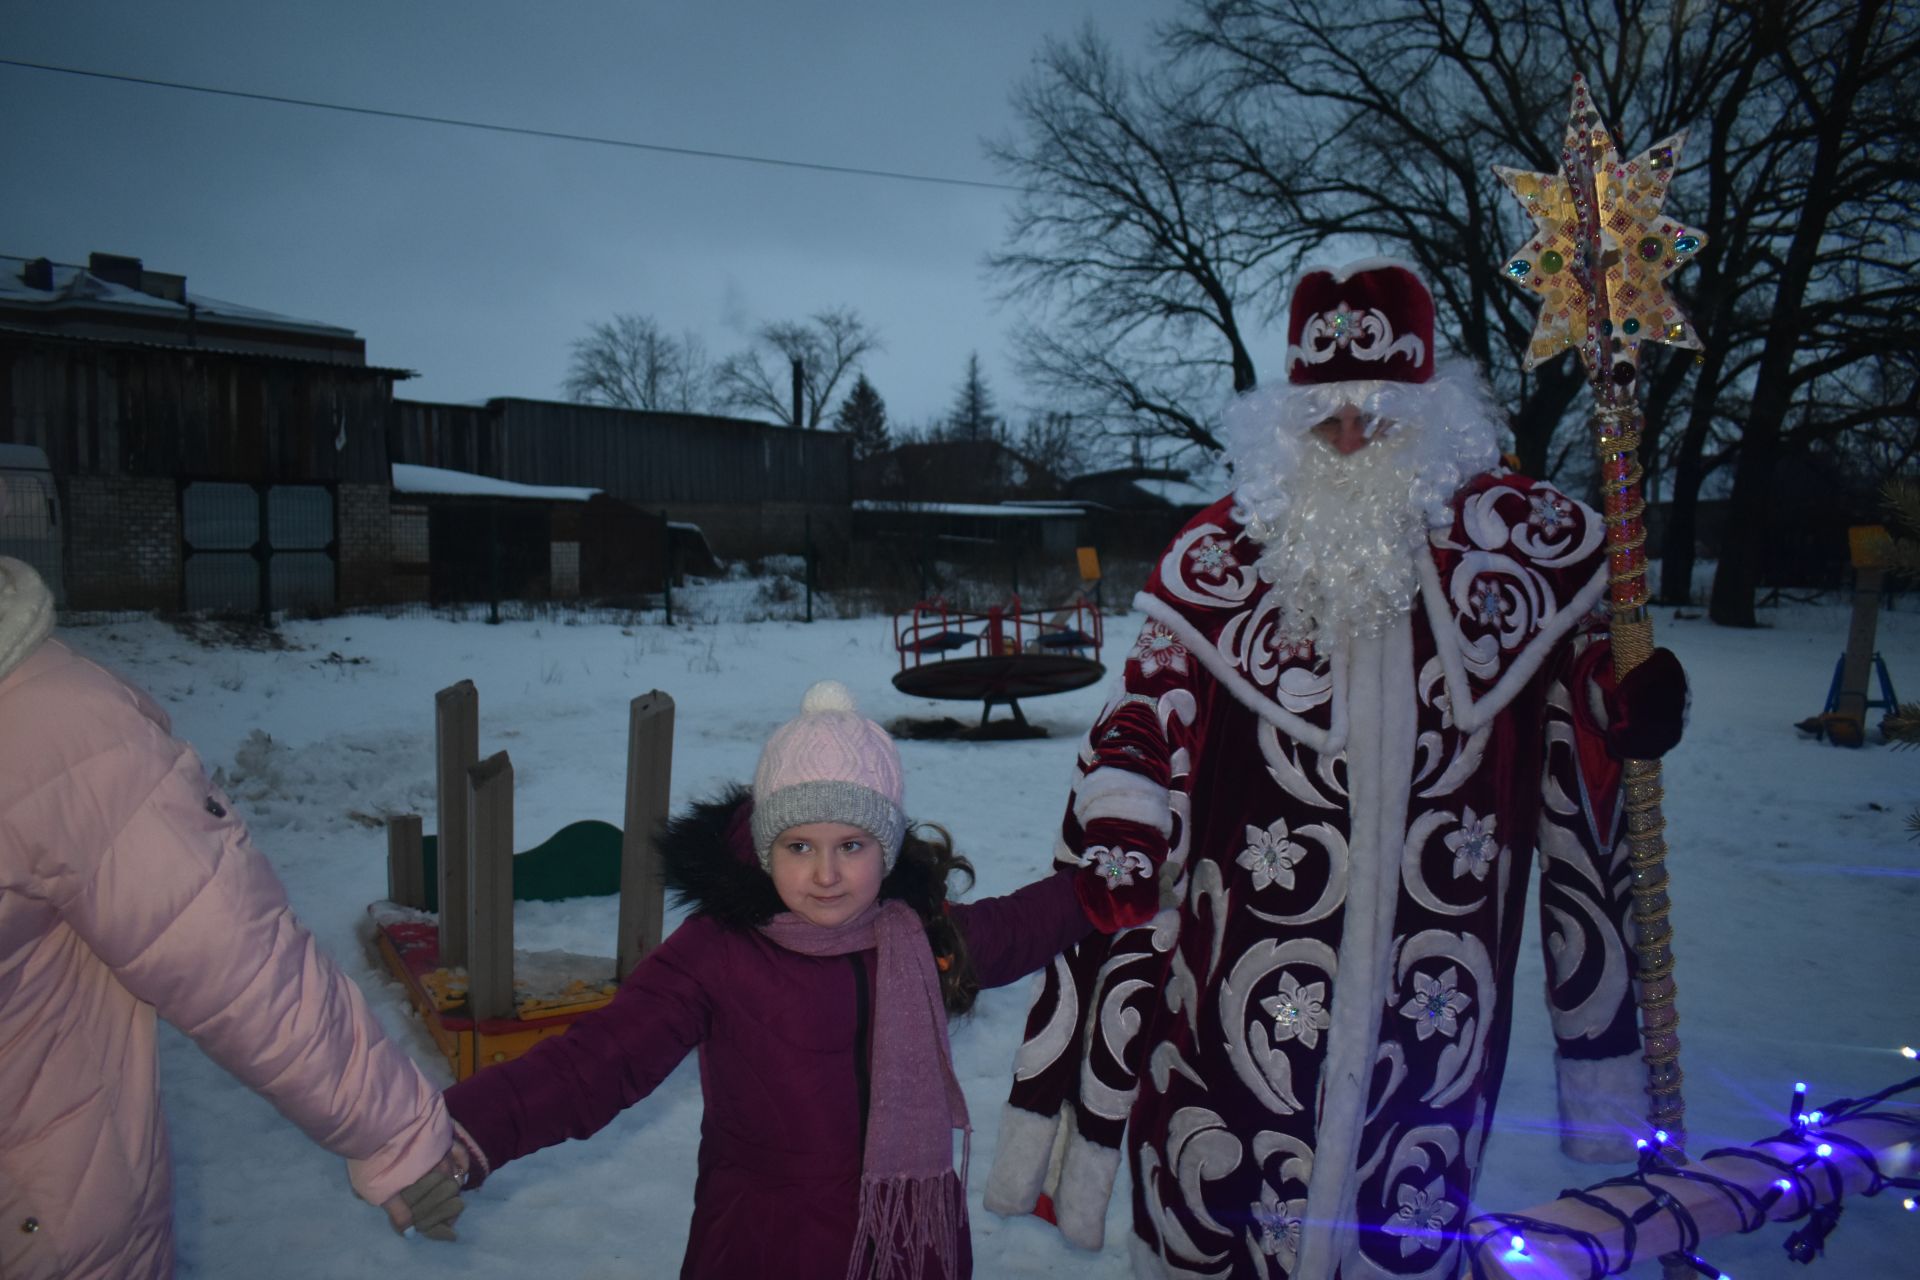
x,y
1639,247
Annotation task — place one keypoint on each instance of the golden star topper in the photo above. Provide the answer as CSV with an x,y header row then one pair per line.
x,y
1639,246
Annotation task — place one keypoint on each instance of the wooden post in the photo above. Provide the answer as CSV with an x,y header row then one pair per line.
x,y
1869,546
406,863
649,778
456,734
489,858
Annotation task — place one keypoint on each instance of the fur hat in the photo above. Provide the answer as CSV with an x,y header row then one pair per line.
x,y
829,764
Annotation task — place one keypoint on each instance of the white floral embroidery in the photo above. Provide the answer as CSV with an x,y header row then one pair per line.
x,y
1422,1217
1270,855
1548,512
1473,845
1157,649
1279,1223
1115,865
1489,604
1212,557
1436,1005
1298,1012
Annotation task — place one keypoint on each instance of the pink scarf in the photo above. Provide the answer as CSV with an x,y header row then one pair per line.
x,y
909,1193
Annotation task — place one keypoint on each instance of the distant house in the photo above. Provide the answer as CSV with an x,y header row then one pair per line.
x,y
953,471
753,488
206,454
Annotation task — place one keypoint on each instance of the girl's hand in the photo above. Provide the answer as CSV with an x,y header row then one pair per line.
x,y
431,1204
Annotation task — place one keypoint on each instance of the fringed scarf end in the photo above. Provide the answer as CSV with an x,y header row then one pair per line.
x,y
906,1221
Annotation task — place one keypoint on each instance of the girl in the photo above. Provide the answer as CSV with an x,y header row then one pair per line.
x,y
813,977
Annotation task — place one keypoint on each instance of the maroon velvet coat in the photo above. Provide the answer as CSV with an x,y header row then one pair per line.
x,y
1299,1054
783,1042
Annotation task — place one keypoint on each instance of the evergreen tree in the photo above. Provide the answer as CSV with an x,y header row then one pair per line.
x,y
863,415
972,417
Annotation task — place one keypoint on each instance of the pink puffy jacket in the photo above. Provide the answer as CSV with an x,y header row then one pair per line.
x,y
128,887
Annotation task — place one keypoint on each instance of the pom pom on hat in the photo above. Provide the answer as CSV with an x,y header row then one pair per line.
x,y
829,764
827,695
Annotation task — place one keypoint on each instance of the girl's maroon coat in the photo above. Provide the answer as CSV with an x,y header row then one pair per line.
x,y
783,1042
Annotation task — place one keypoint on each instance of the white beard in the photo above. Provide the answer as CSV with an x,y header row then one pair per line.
x,y
1341,559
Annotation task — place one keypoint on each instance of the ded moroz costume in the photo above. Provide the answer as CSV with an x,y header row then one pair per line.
x,y
1366,692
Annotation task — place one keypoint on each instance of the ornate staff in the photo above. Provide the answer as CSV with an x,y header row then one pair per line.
x,y
1599,257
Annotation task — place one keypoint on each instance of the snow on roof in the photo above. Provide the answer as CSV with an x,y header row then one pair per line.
x,y
1182,493
78,286
1007,511
411,477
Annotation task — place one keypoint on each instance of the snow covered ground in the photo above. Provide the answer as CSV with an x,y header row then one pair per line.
x,y
1797,894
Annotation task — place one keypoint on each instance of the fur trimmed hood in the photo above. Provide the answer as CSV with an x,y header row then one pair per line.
x,y
708,861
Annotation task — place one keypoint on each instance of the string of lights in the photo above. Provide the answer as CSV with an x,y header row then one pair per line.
x,y
524,131
1813,1180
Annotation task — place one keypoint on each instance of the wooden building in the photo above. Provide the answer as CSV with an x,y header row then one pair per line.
x,y
206,454
753,488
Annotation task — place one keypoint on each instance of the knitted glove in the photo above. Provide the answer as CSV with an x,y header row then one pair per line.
x,y
1647,711
1118,881
431,1203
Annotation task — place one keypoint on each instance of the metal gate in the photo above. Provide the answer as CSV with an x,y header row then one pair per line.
x,y
256,548
30,527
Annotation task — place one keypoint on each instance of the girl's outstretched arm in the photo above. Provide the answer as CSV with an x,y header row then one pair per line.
x,y
1012,935
572,1085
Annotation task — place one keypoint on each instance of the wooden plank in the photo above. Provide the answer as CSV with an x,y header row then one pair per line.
x,y
1889,1133
456,735
406,862
489,797
649,779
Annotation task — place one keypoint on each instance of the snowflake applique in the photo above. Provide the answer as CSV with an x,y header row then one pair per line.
x,y
1116,865
1421,1220
1549,512
1473,845
1488,603
1436,1005
1211,556
1270,855
1298,1012
1279,1223
1159,649
1287,647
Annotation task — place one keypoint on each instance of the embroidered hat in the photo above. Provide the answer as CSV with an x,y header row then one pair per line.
x,y
829,764
1371,321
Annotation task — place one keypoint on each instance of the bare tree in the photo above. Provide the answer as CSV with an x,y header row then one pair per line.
x,y
631,363
826,348
1055,442
1125,239
1171,205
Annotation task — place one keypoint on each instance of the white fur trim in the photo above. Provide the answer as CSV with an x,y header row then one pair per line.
x,y
1022,1158
26,612
1603,1104
1379,778
1109,792
1086,1184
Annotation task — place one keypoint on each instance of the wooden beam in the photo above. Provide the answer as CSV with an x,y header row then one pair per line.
x,y
406,862
1889,1132
456,735
649,780
489,888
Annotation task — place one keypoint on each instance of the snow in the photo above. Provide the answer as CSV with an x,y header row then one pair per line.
x,y
1796,891
1006,510
411,477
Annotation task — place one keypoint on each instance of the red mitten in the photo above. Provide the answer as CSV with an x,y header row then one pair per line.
x,y
1646,711
1118,883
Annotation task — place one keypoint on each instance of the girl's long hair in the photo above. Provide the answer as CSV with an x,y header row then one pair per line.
x,y
919,879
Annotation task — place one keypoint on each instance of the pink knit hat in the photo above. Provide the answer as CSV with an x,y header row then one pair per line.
x,y
829,764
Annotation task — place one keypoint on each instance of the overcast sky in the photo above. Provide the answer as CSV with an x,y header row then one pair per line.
x,y
476,258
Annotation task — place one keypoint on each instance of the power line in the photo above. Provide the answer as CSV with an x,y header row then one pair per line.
x,y
519,130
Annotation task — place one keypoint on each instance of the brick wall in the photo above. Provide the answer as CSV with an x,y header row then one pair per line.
x,y
123,543
366,545
410,575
